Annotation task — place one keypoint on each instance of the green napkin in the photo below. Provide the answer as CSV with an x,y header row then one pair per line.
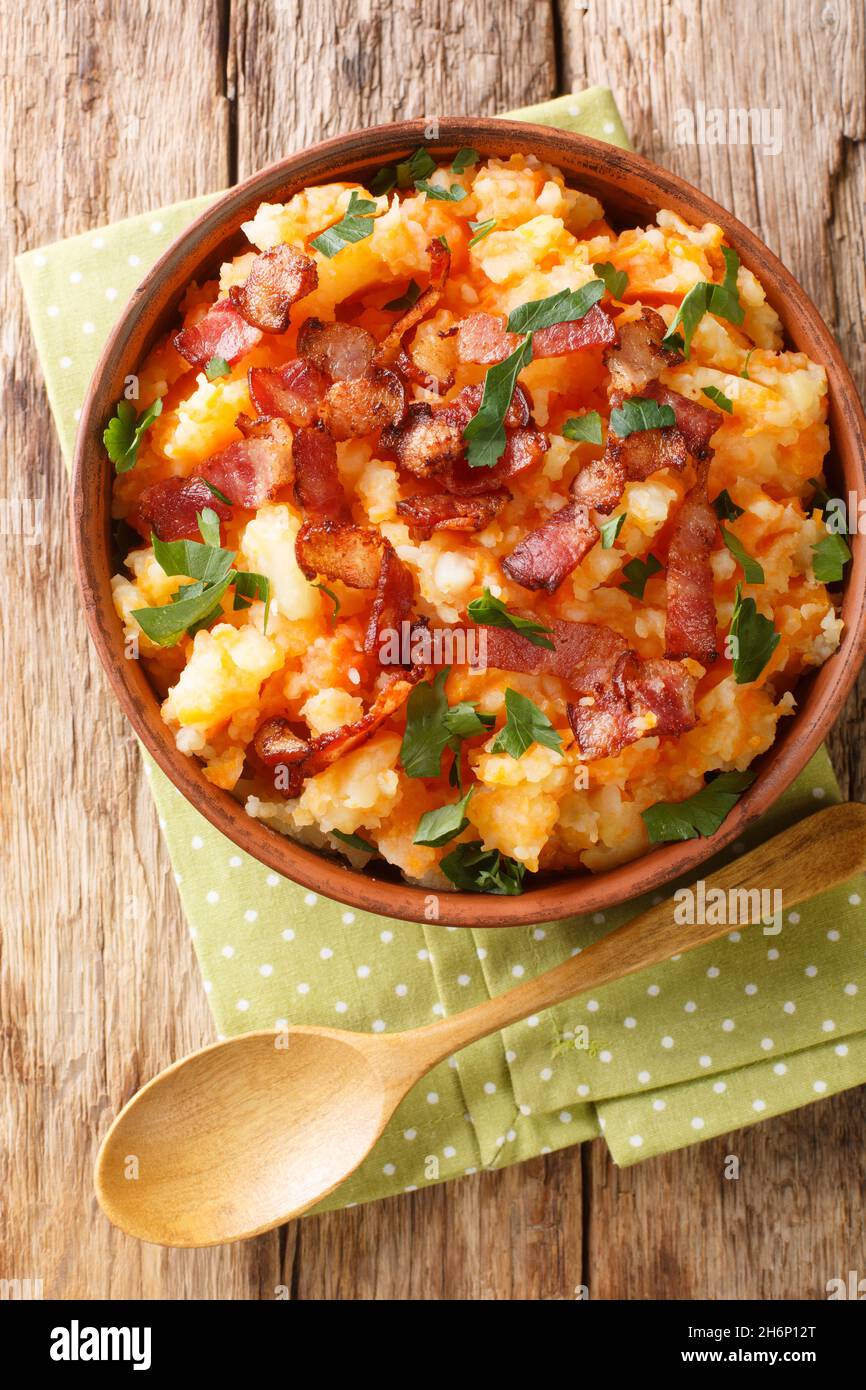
x,y
750,1027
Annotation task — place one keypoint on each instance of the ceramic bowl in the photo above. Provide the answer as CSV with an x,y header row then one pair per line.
x,y
631,190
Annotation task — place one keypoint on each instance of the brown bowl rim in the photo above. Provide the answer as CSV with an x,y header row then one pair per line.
x,y
583,159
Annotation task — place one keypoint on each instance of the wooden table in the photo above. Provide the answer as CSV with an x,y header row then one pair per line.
x,y
110,110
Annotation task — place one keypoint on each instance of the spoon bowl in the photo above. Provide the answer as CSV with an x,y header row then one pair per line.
x,y
305,1107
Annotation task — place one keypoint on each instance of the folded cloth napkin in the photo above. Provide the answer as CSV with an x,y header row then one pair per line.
x,y
751,1026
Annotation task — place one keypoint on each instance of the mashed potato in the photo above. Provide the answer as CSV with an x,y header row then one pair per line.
x,y
296,651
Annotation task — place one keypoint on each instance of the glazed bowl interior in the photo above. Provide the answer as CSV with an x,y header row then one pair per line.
x,y
631,189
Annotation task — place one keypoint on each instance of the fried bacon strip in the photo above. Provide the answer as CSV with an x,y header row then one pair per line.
x,y
362,559
277,279
440,263
547,555
616,690
483,338
643,697
695,422
441,511
429,440
524,447
318,490
414,374
294,391
599,484
639,455
639,358
690,628
171,509
223,332
282,752
342,351
355,406
250,471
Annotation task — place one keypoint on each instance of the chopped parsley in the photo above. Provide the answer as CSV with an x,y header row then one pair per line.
x,y
610,529
419,165
464,159
752,570
354,841
406,299
584,429
217,367
432,725
615,281
701,814
752,639
439,826
562,307
488,611
481,230
829,558
524,725
124,432
475,869
220,496
725,507
745,372
317,584
637,572
705,297
355,224
636,414
454,194
719,398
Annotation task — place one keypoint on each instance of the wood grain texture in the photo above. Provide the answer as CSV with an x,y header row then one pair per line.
x,y
99,987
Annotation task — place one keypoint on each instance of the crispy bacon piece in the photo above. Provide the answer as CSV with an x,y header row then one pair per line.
x,y
643,698
294,391
639,358
277,278
356,406
414,374
440,264
443,512
600,484
395,596
646,451
318,490
425,440
524,447
342,351
282,752
584,653
171,509
690,628
430,438
483,338
547,555
340,550
223,332
250,471
695,422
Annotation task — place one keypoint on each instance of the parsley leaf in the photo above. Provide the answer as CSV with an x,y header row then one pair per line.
x,y
353,841
221,497
485,433
745,372
455,194
439,826
525,724
419,165
384,180
725,507
217,367
406,299
209,526
481,230
829,558
752,570
166,625
719,398
701,814
125,431
492,612
584,428
636,414
355,224
478,870
562,307
615,281
637,572
317,584
610,529
248,586
432,725
464,159
752,639
705,297
193,559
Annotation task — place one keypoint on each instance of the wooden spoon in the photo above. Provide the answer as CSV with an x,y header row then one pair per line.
x,y
253,1131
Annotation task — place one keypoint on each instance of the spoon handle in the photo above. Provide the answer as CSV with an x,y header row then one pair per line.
x,y
815,854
